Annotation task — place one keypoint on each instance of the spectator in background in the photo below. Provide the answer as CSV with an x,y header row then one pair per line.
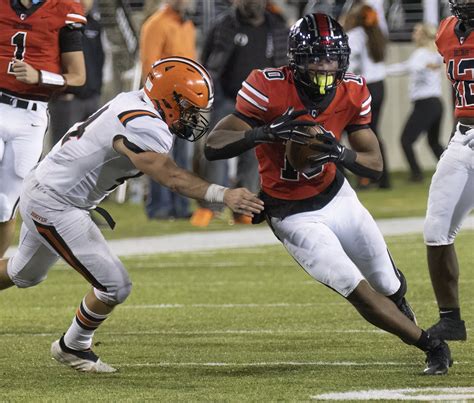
x,y
168,32
368,44
425,93
36,61
248,36
78,103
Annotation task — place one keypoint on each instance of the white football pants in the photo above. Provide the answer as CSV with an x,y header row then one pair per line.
x,y
451,195
22,133
339,245
51,229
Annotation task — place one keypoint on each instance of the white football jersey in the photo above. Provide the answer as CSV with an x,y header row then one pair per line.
x,y
83,167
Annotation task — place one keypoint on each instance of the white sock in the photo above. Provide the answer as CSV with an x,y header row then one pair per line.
x,y
80,333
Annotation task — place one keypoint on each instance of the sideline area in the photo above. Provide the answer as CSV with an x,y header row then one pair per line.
x,y
259,235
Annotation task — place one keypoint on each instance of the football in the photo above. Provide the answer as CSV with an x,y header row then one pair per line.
x,y
298,154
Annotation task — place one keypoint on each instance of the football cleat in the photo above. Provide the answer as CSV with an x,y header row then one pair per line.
x,y
448,329
438,359
84,361
407,310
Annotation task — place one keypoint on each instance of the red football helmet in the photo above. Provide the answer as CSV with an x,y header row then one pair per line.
x,y
181,90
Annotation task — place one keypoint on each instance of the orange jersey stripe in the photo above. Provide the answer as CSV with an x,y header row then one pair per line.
x,y
135,114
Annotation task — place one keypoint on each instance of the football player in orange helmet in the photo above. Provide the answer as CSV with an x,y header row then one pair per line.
x,y
181,90
129,136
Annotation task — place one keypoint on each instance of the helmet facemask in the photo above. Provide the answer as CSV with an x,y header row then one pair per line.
x,y
319,82
191,124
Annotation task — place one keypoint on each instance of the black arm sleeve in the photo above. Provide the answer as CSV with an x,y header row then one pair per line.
x,y
232,146
70,40
349,162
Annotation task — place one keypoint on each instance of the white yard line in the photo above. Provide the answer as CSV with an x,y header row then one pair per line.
x,y
460,394
248,237
208,332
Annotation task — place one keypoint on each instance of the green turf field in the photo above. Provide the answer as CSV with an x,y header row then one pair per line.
x,y
233,325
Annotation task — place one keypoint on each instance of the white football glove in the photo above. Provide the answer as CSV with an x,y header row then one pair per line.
x,y
469,139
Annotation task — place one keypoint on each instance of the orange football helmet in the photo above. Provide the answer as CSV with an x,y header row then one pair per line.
x,y
181,90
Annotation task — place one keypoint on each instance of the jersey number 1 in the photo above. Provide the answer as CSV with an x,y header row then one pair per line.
x,y
19,41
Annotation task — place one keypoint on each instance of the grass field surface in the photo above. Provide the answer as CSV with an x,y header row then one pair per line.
x,y
234,325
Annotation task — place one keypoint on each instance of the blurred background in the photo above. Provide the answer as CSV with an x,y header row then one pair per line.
x,y
120,23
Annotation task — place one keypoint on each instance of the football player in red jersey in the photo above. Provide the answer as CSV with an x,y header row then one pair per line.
x,y
316,215
40,53
451,195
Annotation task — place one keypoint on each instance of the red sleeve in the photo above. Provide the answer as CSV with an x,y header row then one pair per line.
x,y
362,100
73,14
442,33
253,97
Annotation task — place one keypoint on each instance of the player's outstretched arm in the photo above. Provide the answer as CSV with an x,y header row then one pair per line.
x,y
161,168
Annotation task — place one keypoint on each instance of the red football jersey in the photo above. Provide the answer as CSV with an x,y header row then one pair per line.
x,y
33,37
458,54
267,94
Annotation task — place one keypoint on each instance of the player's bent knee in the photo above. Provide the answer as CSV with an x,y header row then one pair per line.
x,y
124,292
115,295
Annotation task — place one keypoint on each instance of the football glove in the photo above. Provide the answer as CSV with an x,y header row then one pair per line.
x,y
283,128
329,150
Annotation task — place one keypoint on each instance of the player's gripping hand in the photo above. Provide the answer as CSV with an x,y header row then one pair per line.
x,y
242,201
469,139
25,73
284,127
328,149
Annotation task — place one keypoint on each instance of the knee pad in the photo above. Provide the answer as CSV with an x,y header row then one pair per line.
x,y
116,295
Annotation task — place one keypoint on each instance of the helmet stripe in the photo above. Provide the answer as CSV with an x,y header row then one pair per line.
x,y
323,25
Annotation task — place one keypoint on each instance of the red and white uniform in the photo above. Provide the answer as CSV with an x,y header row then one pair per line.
x,y
33,36
451,195
266,94
338,243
